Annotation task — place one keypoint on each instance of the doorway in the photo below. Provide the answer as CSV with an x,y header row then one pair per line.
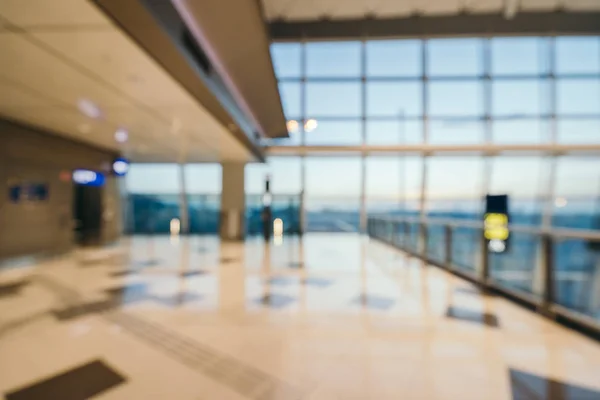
x,y
87,213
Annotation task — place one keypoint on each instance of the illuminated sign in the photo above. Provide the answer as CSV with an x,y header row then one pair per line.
x,y
495,223
88,178
120,167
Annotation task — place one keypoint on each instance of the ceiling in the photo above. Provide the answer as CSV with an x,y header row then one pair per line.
x,y
302,10
57,53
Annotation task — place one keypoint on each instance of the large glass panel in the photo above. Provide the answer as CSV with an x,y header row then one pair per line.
x,y
454,57
291,99
455,99
412,184
287,59
203,185
577,55
286,184
333,99
456,132
577,276
577,193
578,96
254,178
519,98
152,213
454,187
333,186
520,131
383,184
524,180
153,178
466,248
519,56
286,175
203,178
436,243
154,197
333,59
515,268
394,58
335,133
394,99
573,131
203,212
394,132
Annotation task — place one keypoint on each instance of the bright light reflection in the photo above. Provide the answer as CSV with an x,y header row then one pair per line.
x,y
175,226
560,202
277,227
292,126
310,125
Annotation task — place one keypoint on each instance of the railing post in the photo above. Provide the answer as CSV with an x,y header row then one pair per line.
x,y
423,239
448,254
547,264
485,262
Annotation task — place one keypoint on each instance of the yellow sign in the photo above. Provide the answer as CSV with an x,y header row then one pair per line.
x,y
495,226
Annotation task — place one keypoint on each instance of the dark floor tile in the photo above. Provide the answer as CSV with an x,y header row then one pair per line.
x,y
128,294
178,299
79,383
81,310
525,386
228,260
146,263
12,289
319,282
189,274
374,302
465,314
276,300
123,273
295,264
283,280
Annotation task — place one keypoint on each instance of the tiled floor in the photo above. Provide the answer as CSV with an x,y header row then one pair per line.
x,y
329,317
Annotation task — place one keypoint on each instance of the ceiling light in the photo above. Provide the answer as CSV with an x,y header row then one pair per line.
x,y
292,126
121,135
310,125
88,108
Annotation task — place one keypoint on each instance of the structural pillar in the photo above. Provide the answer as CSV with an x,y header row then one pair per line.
x,y
233,202
184,210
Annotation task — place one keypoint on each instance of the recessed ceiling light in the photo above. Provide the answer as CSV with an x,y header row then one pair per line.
x,y
121,135
89,108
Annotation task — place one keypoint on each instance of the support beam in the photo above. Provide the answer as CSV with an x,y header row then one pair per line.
x,y
523,23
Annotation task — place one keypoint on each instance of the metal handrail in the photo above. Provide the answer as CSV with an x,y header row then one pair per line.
x,y
382,227
555,233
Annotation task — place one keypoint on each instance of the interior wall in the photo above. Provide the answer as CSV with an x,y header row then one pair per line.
x,y
46,227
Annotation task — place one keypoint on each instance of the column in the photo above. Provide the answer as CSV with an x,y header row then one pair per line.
x,y
184,216
233,202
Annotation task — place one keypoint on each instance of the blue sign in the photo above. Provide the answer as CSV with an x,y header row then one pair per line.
x,y
88,178
120,166
28,191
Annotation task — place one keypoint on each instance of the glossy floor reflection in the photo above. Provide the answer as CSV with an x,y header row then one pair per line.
x,y
332,316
